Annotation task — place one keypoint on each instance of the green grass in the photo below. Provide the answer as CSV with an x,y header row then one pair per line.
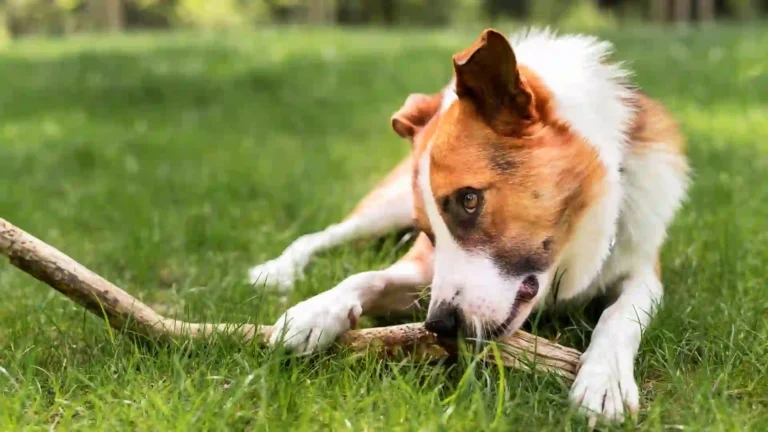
x,y
171,163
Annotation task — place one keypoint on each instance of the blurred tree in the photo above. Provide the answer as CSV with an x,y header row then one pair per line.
x,y
587,15
659,10
390,12
37,16
683,10
467,11
388,9
55,17
106,14
149,13
497,9
705,10
743,9
548,11
209,14
321,11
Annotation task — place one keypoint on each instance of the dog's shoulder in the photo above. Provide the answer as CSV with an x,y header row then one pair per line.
x,y
654,181
654,128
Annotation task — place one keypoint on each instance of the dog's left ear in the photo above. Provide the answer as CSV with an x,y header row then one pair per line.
x,y
415,113
487,76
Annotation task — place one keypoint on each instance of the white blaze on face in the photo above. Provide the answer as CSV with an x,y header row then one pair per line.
x,y
470,280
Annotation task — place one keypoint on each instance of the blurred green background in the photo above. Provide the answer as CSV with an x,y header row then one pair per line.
x,y
201,137
61,17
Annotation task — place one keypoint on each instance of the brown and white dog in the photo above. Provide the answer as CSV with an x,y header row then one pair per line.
x,y
538,166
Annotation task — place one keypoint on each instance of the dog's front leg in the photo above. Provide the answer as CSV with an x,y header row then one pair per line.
x,y
387,208
316,322
605,384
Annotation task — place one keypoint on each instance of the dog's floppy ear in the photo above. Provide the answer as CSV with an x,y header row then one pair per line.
x,y
487,75
415,113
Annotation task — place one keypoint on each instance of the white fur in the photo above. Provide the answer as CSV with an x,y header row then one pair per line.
x,y
449,95
615,245
467,279
620,235
318,321
591,93
655,182
394,211
585,254
592,96
605,383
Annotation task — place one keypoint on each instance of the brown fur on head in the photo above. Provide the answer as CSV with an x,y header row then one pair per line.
x,y
500,149
415,113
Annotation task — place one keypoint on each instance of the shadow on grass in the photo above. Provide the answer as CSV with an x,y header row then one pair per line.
x,y
714,262
691,278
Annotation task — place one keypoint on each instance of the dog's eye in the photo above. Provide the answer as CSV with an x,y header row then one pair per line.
x,y
470,201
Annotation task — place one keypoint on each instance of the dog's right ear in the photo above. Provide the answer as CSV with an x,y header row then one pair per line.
x,y
415,113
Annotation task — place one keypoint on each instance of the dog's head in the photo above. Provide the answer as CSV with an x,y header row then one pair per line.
x,y
499,184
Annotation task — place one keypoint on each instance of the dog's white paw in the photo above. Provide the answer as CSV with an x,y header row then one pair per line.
x,y
316,322
281,273
605,385
284,271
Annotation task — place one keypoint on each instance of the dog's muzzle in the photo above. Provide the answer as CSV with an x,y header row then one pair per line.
x,y
444,320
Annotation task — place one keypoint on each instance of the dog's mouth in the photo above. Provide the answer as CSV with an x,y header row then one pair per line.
x,y
500,330
476,334
528,290
450,324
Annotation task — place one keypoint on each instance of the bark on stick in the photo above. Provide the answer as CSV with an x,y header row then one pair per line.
x,y
123,311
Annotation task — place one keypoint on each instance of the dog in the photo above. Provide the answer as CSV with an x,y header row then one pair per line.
x,y
539,175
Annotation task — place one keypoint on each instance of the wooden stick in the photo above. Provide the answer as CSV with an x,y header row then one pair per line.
x,y
121,310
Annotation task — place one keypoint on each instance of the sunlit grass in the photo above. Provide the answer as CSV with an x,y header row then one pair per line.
x,y
171,163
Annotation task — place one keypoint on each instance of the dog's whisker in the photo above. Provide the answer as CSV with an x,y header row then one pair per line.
x,y
478,330
556,283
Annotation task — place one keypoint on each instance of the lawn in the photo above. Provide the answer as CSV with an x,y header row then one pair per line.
x,y
170,163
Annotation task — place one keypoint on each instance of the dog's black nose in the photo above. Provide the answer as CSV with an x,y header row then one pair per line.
x,y
444,321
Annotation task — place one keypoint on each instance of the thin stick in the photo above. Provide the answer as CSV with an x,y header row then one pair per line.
x,y
121,310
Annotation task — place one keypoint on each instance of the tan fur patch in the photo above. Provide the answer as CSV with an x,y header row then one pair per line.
x,y
536,185
403,169
654,128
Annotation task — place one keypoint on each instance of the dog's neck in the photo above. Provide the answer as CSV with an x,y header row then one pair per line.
x,y
590,93
592,96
